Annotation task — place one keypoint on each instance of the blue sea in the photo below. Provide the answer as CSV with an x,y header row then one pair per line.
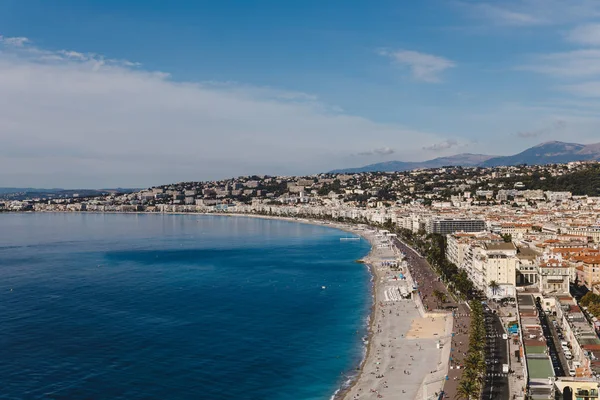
x,y
136,306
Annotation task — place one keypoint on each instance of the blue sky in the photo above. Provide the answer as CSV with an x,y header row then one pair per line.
x,y
136,93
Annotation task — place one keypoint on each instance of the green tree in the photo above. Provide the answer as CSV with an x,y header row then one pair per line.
x,y
466,390
440,297
589,298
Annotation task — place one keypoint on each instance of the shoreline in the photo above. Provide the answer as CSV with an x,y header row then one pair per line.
x,y
345,387
360,379
402,337
343,391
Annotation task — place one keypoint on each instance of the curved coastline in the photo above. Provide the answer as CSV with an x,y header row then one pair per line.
x,y
380,279
351,349
353,374
390,338
352,378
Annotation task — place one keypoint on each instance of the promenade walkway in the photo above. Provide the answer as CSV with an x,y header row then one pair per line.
x,y
427,282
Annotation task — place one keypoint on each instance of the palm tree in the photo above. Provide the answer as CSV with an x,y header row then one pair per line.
x,y
494,286
440,297
475,368
466,390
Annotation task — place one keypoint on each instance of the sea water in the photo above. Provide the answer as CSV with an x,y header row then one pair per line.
x,y
136,306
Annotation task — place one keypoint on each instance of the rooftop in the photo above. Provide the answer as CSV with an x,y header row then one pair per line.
x,y
527,253
500,246
538,348
525,300
540,368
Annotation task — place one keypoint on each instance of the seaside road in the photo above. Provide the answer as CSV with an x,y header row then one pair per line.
x,y
428,281
496,382
402,351
460,345
425,277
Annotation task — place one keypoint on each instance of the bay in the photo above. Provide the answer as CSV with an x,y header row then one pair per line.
x,y
138,306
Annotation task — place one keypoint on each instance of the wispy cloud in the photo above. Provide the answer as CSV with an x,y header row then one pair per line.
x,y
505,16
71,118
384,151
530,13
13,41
554,128
584,89
24,48
441,146
576,63
587,35
424,67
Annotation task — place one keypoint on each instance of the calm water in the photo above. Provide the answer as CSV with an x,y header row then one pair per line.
x,y
112,306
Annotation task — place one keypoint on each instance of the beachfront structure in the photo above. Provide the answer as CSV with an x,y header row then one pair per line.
x,y
447,226
458,245
496,262
486,259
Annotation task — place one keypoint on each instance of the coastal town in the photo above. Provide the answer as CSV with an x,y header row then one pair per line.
x,y
523,241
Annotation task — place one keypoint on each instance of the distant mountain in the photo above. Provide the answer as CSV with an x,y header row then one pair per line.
x,y
465,159
29,193
549,153
546,153
8,190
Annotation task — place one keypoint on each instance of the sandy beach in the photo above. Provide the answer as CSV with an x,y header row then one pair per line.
x,y
403,358
408,345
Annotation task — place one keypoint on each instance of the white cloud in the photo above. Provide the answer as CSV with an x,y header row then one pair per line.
x,y
424,67
76,119
587,35
585,89
13,41
570,64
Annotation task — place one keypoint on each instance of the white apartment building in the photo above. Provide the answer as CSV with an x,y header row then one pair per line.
x,y
499,263
457,247
485,261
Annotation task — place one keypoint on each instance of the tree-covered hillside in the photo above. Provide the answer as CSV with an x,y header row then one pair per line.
x,y
584,182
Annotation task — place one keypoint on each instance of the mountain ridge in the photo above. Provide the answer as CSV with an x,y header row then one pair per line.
x,y
551,152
